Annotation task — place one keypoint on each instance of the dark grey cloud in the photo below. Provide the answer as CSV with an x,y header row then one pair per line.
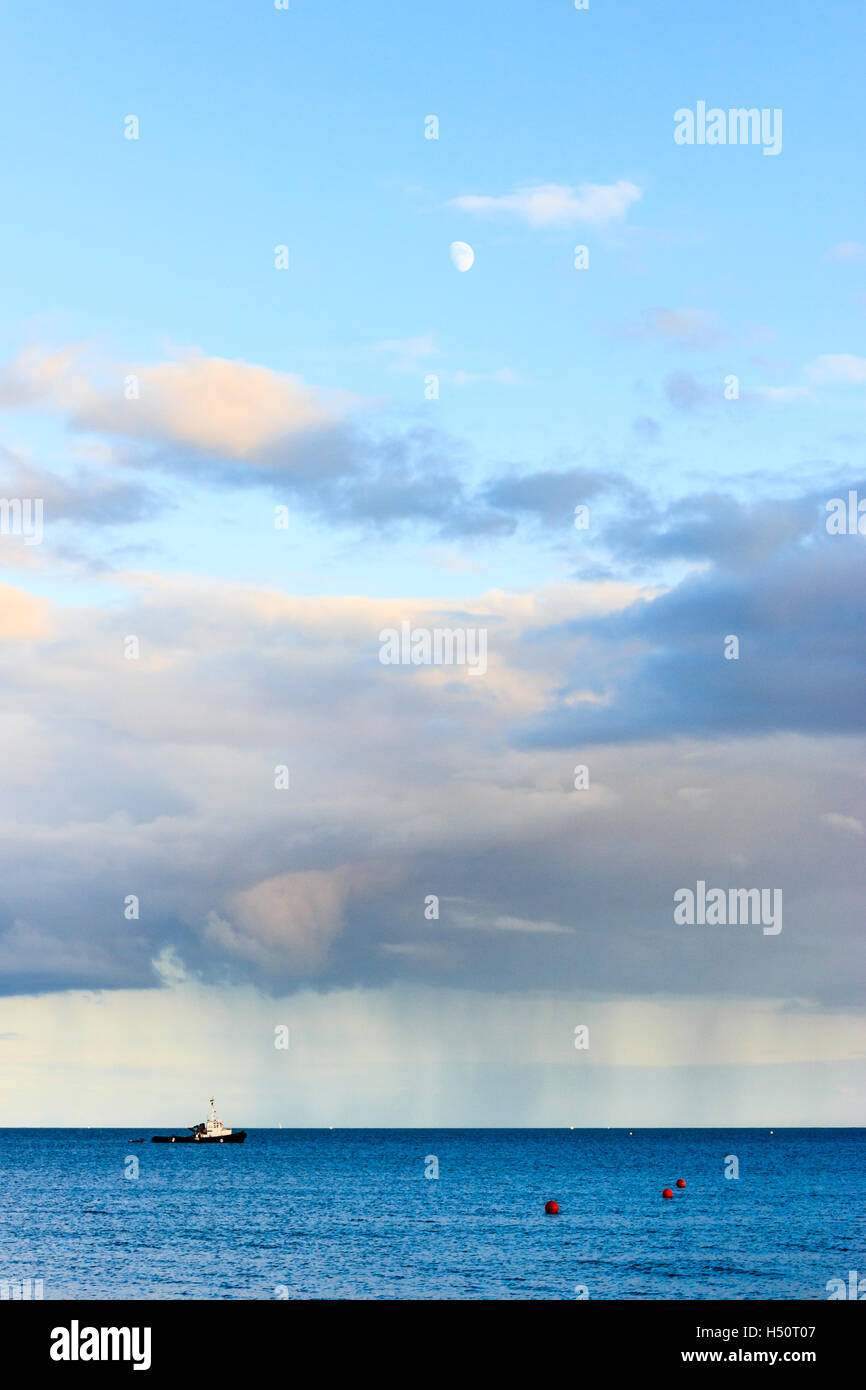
x,y
685,393
798,611
346,476
649,430
717,526
84,496
550,495
157,779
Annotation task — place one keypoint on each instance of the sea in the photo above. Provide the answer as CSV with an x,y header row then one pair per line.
x,y
433,1214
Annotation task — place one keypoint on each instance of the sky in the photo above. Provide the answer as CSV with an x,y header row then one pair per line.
x,y
265,417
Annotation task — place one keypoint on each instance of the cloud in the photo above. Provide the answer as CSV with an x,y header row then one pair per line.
x,y
675,680
846,251
504,376
551,494
286,921
691,328
35,957
556,204
849,825
452,561
83,496
23,616
780,395
838,367
735,535
478,922
686,394
406,782
648,429
210,405
407,353
236,425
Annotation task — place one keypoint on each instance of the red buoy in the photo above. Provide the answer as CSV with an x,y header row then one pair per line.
x,y
667,1192
552,1208
681,1182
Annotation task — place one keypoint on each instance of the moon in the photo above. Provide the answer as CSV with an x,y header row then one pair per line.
x,y
462,255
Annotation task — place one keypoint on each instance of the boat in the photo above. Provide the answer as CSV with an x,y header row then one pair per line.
x,y
212,1131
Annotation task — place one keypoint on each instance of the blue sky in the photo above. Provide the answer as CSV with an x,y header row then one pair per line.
x,y
305,128
557,386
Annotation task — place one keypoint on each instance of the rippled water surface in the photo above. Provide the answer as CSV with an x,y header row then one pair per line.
x,y
351,1214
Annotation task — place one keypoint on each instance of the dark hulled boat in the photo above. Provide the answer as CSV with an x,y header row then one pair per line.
x,y
212,1132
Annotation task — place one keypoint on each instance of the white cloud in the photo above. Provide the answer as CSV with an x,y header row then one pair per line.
x,y
503,377
842,366
557,204
23,616
781,395
846,251
849,825
288,920
231,409
480,922
407,353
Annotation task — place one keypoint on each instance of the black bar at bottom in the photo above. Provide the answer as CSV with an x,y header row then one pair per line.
x,y
207,1340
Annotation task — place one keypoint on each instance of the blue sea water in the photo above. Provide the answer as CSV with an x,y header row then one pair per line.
x,y
351,1214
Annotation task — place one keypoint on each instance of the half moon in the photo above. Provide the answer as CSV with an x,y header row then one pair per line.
x,y
462,255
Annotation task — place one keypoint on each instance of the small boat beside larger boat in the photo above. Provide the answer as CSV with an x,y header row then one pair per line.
x,y
211,1132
